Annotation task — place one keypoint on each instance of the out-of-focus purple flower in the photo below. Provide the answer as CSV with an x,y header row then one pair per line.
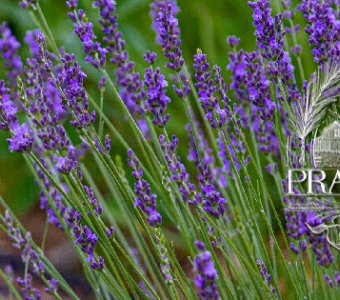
x,y
107,143
329,281
233,41
21,141
31,39
28,4
53,194
206,274
155,9
266,277
83,29
156,101
7,109
29,257
336,277
145,201
9,52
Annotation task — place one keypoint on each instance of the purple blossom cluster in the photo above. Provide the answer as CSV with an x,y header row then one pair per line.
x,y
206,91
270,33
169,36
293,29
131,88
7,109
83,29
145,201
336,279
206,274
154,11
9,47
31,259
323,29
28,4
156,101
298,223
266,277
177,169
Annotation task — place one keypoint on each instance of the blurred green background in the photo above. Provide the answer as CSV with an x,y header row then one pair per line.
x,y
204,24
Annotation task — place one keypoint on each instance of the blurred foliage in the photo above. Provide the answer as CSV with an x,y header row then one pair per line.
x,y
204,24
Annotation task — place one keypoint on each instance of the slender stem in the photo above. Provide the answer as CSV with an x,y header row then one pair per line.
x,y
45,234
10,285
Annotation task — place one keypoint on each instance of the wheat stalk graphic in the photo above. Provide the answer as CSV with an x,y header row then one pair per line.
x,y
309,112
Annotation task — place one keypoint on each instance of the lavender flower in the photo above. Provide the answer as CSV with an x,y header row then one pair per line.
x,y
9,47
31,39
70,83
233,41
83,29
206,92
156,101
128,80
163,251
177,169
322,28
28,4
206,275
270,35
329,281
21,141
145,201
169,36
31,258
266,277
7,109
154,12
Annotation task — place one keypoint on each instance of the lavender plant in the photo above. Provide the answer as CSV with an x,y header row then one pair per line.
x,y
203,218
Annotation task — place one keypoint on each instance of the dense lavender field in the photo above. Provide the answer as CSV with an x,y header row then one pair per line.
x,y
169,150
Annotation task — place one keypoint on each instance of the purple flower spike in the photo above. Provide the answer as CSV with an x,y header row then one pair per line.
x,y
9,47
8,109
83,29
156,101
266,277
169,36
31,258
72,93
128,80
206,274
178,171
145,201
207,88
323,29
155,9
